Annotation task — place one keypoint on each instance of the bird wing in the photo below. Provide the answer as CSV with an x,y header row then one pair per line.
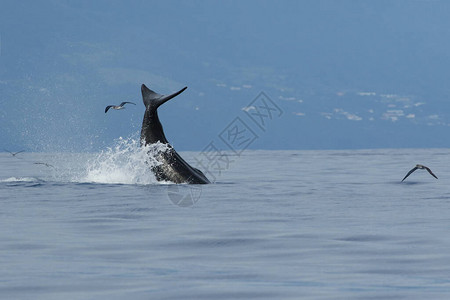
x,y
8,151
429,171
123,103
19,152
45,164
409,173
107,108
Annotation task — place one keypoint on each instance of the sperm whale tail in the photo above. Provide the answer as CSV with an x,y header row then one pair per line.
x,y
153,100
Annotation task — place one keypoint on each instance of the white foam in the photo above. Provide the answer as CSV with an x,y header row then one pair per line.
x,y
125,163
19,179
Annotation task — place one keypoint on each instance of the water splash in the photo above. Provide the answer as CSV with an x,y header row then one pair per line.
x,y
19,179
125,163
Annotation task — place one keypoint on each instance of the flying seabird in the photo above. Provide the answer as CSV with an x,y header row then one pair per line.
x,y
14,153
117,106
419,167
45,164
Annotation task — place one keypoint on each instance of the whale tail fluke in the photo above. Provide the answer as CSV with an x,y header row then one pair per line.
x,y
172,166
153,100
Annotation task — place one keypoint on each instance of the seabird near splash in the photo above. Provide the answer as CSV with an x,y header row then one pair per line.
x,y
120,106
419,167
45,164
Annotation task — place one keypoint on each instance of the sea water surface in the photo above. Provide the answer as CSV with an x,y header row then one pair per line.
x,y
274,225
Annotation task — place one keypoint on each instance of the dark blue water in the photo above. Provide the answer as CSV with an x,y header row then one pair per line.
x,y
274,225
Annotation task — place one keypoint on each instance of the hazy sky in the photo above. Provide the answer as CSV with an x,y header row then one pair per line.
x,y
343,74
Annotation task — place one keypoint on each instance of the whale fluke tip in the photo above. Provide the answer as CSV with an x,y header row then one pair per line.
x,y
154,99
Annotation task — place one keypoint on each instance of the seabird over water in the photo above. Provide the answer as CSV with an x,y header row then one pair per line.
x,y
45,164
120,106
419,167
14,153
